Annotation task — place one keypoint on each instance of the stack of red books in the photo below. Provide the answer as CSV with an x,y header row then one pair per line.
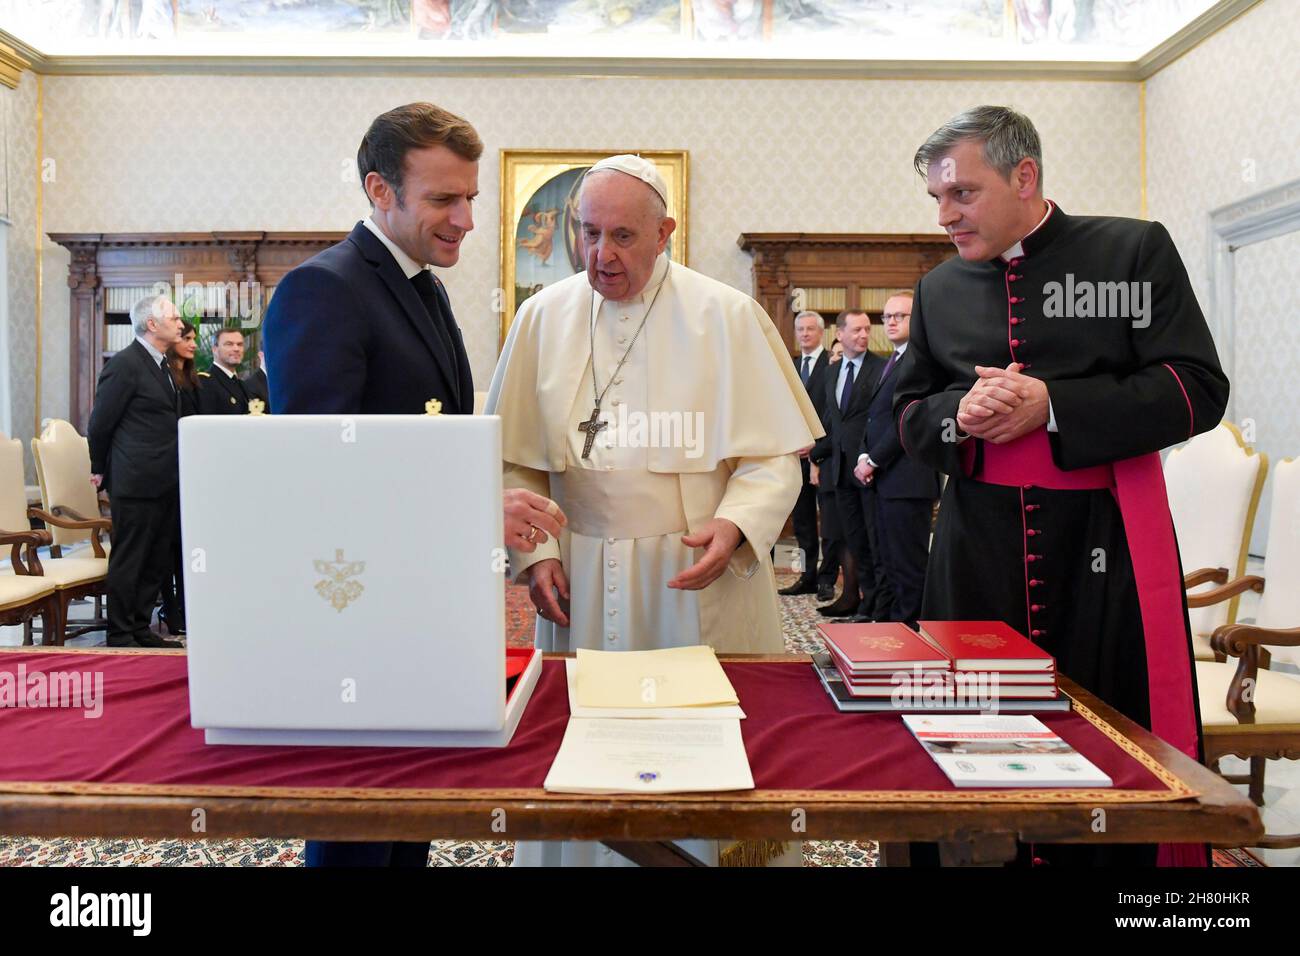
x,y
984,660
878,660
1000,661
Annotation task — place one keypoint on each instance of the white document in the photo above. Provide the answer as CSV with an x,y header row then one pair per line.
x,y
650,756
719,712
979,750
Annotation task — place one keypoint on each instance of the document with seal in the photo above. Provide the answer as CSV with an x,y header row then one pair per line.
x,y
650,756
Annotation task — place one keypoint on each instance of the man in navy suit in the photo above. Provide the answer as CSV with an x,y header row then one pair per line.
x,y
811,364
899,491
849,387
366,328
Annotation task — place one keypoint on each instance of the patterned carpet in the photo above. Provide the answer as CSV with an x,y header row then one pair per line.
x,y
799,622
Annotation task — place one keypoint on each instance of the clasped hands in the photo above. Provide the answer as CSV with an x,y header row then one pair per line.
x,y
1003,404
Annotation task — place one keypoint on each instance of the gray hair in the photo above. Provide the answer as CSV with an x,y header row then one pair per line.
x,y
143,311
806,314
1007,136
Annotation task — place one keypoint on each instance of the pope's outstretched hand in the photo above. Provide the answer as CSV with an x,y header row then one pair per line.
x,y
719,538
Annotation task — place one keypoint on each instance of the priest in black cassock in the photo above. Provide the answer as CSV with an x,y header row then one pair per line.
x,y
1052,359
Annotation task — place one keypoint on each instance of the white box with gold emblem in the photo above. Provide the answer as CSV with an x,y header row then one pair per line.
x,y
344,580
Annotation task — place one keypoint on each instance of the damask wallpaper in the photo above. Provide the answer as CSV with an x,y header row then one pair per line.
x,y
1222,126
197,153
18,107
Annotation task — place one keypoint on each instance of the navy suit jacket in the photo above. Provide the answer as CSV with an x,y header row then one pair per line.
x,y
132,430
346,332
836,454
897,475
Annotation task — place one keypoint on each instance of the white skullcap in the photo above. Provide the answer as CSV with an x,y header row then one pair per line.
x,y
637,168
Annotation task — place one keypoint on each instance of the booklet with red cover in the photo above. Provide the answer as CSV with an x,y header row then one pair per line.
x,y
867,648
986,646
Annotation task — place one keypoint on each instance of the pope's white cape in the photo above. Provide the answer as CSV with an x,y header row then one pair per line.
x,y
716,352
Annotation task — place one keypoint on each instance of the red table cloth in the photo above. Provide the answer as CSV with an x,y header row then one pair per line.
x,y
799,746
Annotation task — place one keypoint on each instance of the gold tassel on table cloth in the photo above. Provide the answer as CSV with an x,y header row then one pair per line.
x,y
751,853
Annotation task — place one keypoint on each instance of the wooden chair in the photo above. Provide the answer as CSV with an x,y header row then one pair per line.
x,y
1246,709
1214,483
24,592
70,510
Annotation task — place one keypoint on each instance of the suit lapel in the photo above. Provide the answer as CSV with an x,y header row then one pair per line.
x,y
880,381
465,383
819,367
864,383
386,266
156,373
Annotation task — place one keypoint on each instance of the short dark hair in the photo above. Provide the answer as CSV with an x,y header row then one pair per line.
x,y
413,126
1006,136
228,330
842,319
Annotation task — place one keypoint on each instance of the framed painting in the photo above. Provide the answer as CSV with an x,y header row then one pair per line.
x,y
540,237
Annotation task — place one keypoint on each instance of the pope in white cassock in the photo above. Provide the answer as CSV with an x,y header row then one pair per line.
x,y
661,411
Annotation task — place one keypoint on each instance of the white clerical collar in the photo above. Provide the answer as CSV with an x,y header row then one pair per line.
x,y
815,354
1018,250
408,265
216,364
157,356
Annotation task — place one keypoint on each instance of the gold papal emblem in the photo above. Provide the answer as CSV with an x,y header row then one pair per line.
x,y
256,406
433,407
986,641
880,643
337,587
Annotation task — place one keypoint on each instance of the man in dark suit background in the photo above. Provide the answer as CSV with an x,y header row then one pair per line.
x,y
132,437
811,363
256,384
899,492
848,394
221,392
364,327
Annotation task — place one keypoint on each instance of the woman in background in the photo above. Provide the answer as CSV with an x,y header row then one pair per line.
x,y
180,361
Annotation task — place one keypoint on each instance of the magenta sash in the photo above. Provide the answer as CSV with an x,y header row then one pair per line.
x,y
1138,485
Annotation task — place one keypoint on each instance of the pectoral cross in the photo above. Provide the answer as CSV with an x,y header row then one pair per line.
x,y
591,426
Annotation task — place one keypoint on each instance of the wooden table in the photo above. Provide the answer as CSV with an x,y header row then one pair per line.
x,y
982,833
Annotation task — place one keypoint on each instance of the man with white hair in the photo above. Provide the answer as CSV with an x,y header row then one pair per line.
x,y
811,363
132,436
661,410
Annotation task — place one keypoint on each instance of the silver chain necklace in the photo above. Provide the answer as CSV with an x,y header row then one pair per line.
x,y
592,426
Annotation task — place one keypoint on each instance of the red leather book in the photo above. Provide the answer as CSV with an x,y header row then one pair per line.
x,y
865,648
986,646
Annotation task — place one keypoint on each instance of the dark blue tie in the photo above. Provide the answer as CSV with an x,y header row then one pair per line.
x,y
846,393
803,372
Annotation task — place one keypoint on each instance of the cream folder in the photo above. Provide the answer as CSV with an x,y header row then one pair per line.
x,y
719,712
672,677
